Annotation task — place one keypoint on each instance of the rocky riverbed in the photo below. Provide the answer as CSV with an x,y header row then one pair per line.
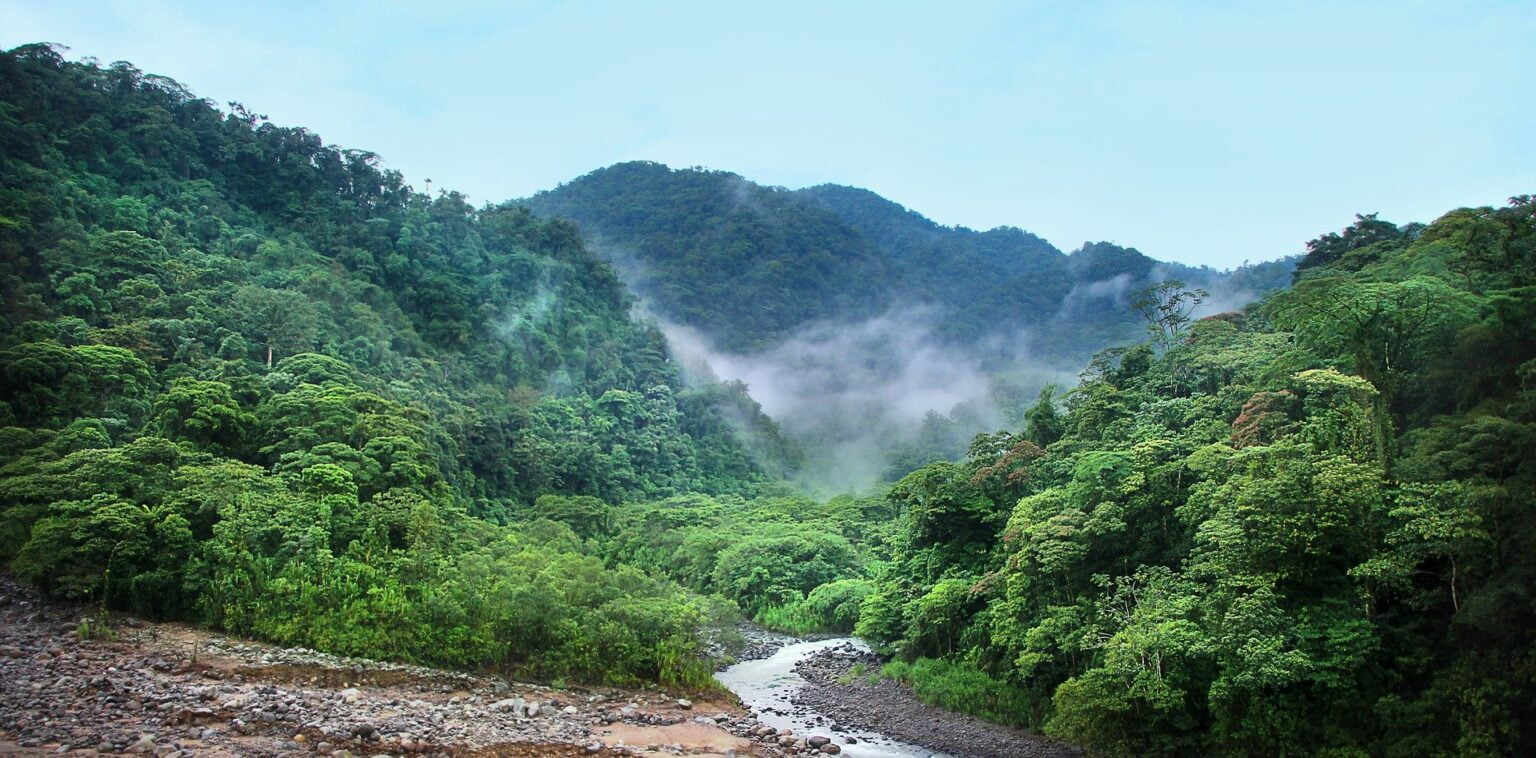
x,y
169,690
758,643
838,693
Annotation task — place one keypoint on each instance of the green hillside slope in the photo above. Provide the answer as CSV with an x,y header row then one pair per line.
x,y
255,380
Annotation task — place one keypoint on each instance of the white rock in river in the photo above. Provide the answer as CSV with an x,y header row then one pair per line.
x,y
516,705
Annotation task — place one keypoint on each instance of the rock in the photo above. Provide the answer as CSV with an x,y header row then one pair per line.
x,y
818,741
364,730
549,710
500,687
831,749
685,704
515,704
532,710
145,744
350,695
569,710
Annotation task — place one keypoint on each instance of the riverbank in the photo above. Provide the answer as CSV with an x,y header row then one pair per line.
x,y
759,643
851,701
170,691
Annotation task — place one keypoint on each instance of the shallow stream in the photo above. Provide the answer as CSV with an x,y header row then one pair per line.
x,y
767,686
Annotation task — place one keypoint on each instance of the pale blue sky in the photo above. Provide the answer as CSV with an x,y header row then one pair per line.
x,y
1204,132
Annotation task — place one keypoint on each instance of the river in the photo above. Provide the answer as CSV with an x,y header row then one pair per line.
x,y
767,686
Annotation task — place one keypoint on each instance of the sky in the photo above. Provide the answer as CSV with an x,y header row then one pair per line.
x,y
1202,132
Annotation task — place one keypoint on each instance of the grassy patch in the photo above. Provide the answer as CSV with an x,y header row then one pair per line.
x,y
962,688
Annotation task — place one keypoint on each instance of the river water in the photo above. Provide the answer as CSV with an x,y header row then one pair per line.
x,y
767,686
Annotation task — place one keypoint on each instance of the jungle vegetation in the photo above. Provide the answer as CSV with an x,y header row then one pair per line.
x,y
256,382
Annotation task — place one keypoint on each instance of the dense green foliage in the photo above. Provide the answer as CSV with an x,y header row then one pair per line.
x,y
1302,529
253,380
749,265
789,561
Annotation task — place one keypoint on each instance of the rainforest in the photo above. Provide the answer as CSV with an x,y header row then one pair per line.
x,y
255,383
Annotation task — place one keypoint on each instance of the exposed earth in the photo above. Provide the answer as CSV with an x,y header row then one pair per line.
x,y
173,690
840,689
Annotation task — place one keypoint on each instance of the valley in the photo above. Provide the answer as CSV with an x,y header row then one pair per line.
x,y
295,457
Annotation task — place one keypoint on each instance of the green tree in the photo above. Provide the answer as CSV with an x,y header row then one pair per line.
x,y
278,319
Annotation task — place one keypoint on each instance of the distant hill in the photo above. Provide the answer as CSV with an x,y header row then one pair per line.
x,y
878,338
750,265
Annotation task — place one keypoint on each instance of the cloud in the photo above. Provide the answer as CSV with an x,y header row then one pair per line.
x,y
855,395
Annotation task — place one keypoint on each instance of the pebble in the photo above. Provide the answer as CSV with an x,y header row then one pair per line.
x,y
143,691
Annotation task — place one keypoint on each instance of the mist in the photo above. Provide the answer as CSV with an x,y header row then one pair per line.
x,y
863,397
868,400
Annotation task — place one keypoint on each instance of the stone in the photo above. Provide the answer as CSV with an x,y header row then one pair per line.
x,y
570,710
685,704
144,744
350,695
515,704
818,741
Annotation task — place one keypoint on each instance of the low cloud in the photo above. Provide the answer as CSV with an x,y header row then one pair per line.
x,y
857,395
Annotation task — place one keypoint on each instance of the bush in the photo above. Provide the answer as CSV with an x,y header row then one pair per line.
x,y
963,688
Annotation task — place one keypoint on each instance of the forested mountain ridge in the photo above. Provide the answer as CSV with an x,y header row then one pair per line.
x,y
750,265
255,380
878,339
1303,528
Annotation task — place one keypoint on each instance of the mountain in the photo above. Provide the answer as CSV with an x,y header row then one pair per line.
x,y
750,266
877,338
1301,528
251,380
258,384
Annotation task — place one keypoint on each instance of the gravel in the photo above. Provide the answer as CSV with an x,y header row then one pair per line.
x,y
887,707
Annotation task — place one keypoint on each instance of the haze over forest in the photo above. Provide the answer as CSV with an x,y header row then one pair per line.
x,y
877,339
578,448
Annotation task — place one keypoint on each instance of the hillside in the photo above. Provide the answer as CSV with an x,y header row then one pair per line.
x,y
751,266
256,381
1301,528
878,339
256,387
